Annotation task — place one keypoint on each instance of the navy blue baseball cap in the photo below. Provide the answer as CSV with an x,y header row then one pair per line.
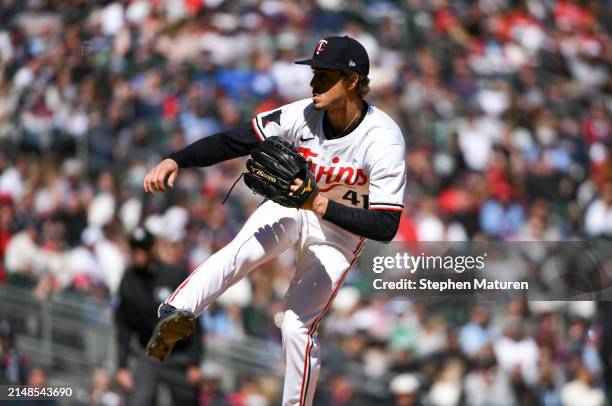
x,y
339,53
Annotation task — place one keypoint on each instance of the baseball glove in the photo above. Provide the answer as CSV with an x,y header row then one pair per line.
x,y
273,167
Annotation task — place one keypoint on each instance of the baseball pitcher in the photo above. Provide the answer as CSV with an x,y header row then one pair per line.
x,y
333,170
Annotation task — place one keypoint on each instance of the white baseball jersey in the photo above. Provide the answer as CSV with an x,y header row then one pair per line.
x,y
364,169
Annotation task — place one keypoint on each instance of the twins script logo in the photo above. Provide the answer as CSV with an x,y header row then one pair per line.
x,y
334,175
321,46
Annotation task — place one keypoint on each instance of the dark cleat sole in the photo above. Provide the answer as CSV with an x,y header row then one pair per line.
x,y
168,331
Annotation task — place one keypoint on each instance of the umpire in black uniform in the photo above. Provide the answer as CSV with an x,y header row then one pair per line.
x,y
145,284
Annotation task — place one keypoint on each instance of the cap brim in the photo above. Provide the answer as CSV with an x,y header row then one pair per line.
x,y
317,63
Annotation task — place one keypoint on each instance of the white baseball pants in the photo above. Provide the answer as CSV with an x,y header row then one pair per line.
x,y
323,260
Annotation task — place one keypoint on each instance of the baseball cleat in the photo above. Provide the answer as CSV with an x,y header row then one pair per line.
x,y
174,327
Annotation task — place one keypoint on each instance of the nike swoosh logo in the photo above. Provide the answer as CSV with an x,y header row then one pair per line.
x,y
306,139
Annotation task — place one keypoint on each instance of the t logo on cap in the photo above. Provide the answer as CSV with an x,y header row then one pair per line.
x,y
321,46
339,53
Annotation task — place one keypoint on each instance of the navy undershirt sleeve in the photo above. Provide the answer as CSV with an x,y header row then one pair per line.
x,y
379,225
229,144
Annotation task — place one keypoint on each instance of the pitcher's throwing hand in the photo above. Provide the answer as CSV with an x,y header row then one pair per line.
x,y
155,181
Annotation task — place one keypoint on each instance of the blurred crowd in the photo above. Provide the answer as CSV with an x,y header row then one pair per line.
x,y
504,105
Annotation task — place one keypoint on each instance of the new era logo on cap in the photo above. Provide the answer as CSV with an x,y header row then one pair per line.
x,y
339,53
